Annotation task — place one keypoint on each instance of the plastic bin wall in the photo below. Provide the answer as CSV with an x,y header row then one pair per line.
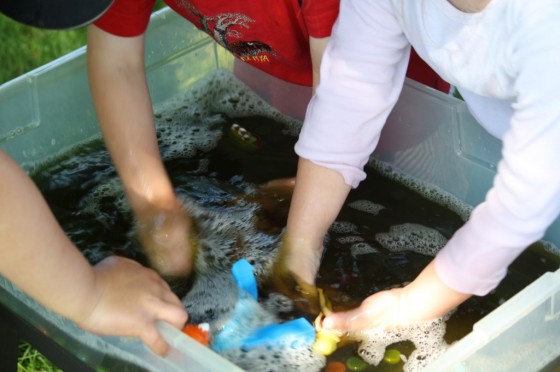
x,y
48,110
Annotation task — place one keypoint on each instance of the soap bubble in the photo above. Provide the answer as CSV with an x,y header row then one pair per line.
x,y
343,227
429,191
276,359
427,338
412,237
361,248
366,206
349,239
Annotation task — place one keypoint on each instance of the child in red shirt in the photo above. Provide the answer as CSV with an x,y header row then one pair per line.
x,y
284,40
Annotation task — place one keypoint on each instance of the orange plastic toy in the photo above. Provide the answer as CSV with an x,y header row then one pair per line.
x,y
198,332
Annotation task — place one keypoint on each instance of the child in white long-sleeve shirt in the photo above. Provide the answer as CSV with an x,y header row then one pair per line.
x,y
503,57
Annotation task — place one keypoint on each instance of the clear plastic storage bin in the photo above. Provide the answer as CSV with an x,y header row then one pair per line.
x,y
49,110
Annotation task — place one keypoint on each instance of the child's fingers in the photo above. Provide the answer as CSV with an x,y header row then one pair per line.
x,y
174,314
151,337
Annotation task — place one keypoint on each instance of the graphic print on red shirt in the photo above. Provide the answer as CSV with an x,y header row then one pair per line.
x,y
227,29
272,36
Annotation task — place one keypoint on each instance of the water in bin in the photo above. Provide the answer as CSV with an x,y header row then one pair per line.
x,y
388,230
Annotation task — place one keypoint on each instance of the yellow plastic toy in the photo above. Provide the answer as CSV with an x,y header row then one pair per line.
x,y
326,340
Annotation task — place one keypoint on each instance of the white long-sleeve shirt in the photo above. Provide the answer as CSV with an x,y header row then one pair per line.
x,y
505,60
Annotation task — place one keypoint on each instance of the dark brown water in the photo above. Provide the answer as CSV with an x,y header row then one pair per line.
x,y
83,191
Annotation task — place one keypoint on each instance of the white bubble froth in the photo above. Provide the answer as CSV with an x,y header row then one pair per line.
x,y
427,338
358,249
366,206
429,191
343,227
412,237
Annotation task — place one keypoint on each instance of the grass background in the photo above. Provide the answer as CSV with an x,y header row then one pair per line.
x,y
23,49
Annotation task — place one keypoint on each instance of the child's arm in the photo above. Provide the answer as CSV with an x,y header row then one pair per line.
x,y
317,47
124,109
117,297
318,196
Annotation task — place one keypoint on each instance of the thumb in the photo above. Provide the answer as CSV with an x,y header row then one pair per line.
x,y
336,321
154,340
377,310
349,321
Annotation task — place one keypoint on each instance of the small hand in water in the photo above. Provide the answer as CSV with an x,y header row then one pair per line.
x,y
128,301
273,198
425,299
274,193
286,278
303,294
382,309
169,241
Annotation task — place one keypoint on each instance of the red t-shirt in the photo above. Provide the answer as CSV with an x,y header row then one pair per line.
x,y
270,35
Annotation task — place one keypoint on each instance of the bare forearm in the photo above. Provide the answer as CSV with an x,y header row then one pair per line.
x,y
430,297
124,109
318,196
35,254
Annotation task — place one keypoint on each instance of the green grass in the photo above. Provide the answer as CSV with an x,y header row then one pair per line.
x,y
25,48
30,360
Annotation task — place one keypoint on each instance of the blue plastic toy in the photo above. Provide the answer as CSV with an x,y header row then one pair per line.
x,y
252,326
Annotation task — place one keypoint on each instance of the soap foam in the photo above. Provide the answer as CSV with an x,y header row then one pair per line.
x,y
343,227
412,237
92,203
366,206
349,239
360,248
221,92
276,359
225,237
277,302
184,137
428,190
427,337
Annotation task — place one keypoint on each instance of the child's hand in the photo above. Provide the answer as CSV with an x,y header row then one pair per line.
x,y
383,309
169,241
303,294
293,274
274,196
425,299
129,300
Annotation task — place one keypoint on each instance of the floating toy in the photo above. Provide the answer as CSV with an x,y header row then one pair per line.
x,y
327,339
243,137
335,366
356,364
241,331
392,356
200,332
